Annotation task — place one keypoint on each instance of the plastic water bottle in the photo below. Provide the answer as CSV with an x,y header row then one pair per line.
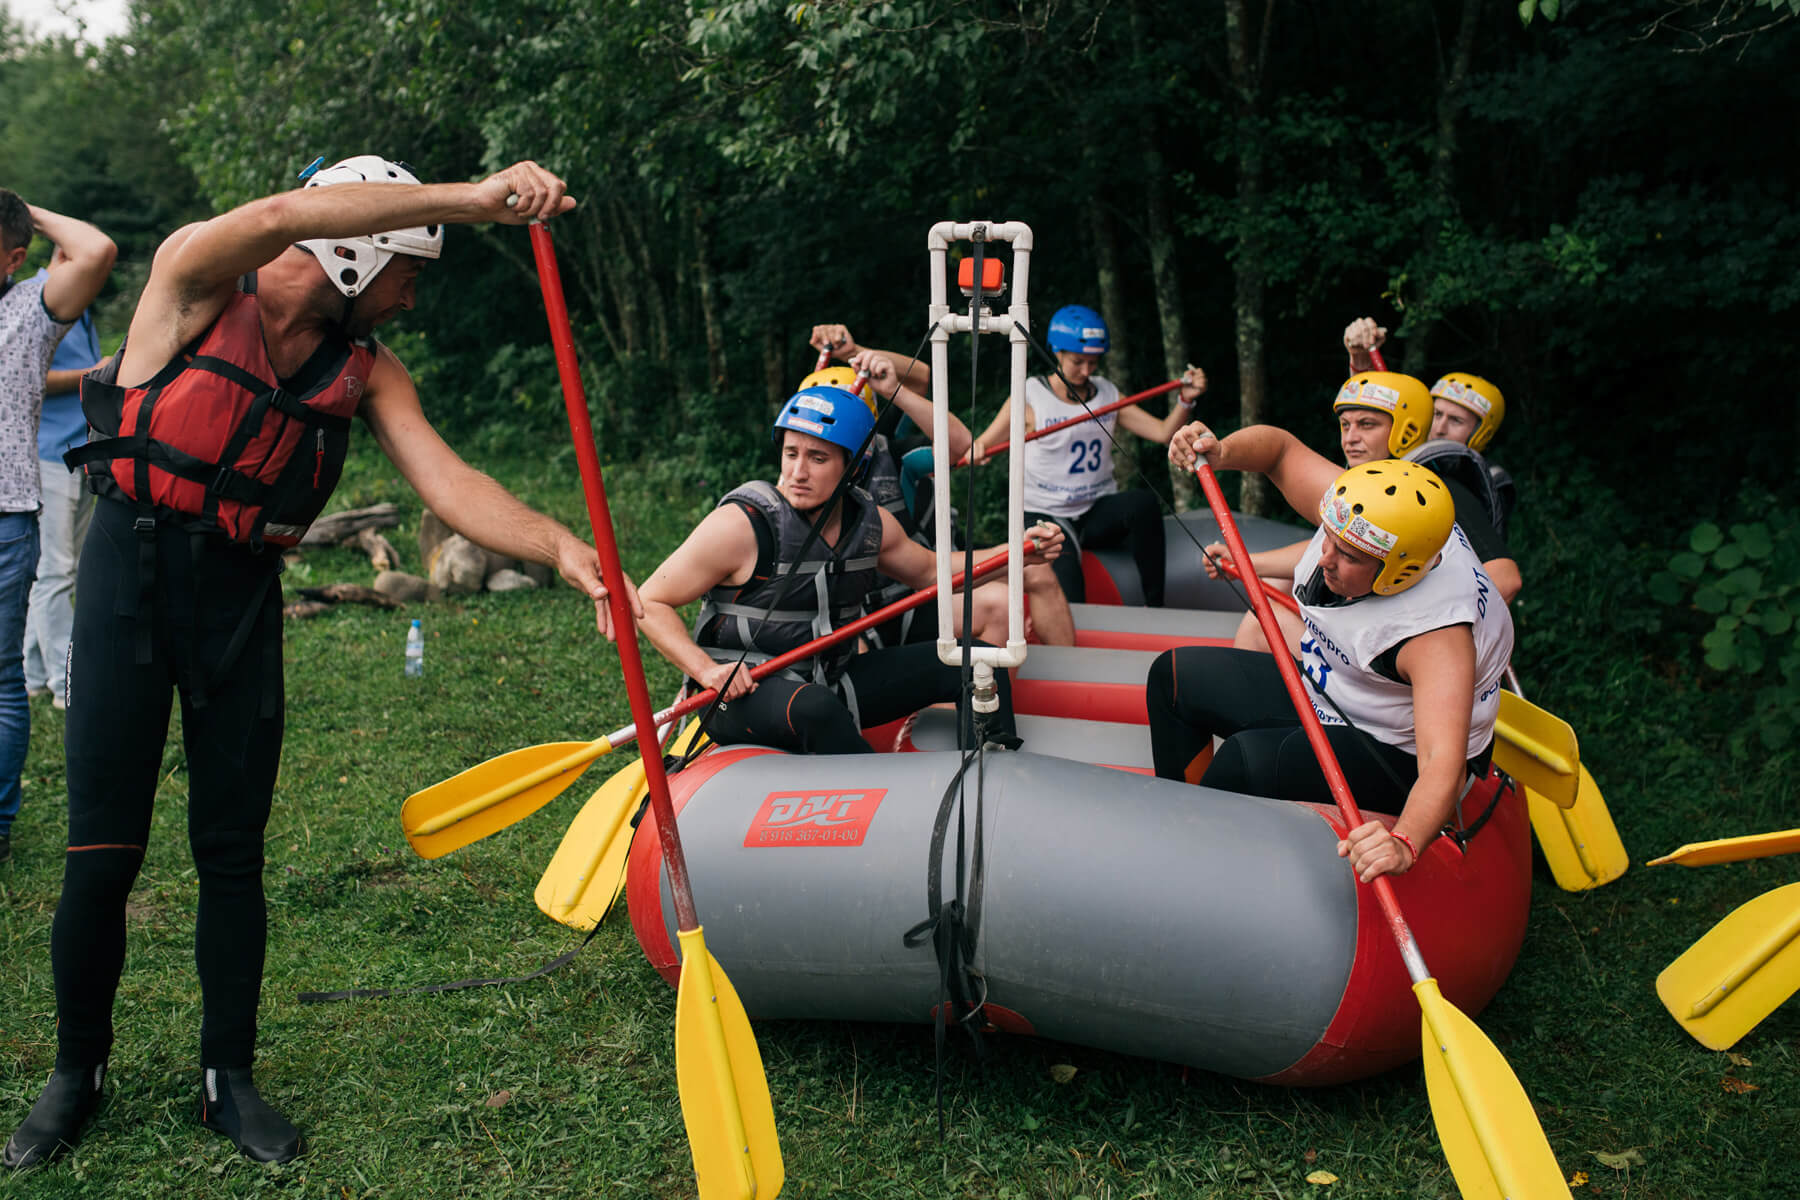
x,y
415,651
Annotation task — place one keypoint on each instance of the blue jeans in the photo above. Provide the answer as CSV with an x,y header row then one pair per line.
x,y
18,567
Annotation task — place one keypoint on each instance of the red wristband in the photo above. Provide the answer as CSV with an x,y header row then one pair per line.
x,y
1405,841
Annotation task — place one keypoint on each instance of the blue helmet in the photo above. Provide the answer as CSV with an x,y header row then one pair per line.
x,y
1079,330
831,414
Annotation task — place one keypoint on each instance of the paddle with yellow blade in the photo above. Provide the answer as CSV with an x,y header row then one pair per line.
x,y
506,789
1748,964
1732,849
1742,970
1573,825
1490,1134
725,1100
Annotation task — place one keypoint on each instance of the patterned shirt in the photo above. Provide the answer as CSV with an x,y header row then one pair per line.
x,y
28,340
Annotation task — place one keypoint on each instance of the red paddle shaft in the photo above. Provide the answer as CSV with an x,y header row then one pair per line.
x,y
1286,601
1035,434
674,712
1375,357
631,662
1309,720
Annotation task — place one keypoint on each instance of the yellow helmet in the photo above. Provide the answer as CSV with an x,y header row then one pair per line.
x,y
840,377
1479,397
1398,512
1399,396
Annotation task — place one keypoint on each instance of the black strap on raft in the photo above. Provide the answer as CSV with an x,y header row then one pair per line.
x,y
953,927
560,961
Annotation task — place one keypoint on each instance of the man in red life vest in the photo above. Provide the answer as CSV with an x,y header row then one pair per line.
x,y
219,431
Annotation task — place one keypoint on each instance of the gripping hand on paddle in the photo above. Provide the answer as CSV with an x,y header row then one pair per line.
x,y
1361,338
730,679
1049,538
1191,443
1215,554
837,339
1372,851
521,194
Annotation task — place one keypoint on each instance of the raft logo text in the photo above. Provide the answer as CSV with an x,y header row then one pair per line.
x,y
831,817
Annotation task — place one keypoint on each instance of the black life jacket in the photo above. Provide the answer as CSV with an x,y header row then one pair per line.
x,y
1453,460
828,592
216,442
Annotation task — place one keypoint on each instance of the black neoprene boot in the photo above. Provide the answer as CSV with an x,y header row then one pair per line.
x,y
230,1104
54,1123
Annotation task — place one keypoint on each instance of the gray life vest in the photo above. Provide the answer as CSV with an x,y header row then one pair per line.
x,y
1453,460
811,596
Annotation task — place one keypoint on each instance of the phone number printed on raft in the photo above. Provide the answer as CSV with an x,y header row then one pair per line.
x,y
831,817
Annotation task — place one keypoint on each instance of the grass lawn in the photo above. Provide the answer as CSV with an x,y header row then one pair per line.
x,y
566,1085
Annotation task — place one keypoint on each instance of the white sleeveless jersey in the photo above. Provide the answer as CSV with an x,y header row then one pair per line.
x,y
1342,643
1066,471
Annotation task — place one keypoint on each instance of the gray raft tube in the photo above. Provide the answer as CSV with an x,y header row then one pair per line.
x,y
1118,911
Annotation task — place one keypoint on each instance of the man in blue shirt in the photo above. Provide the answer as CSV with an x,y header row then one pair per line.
x,y
63,521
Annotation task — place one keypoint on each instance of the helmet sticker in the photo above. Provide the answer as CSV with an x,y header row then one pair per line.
x,y
1366,393
1090,333
815,403
797,422
1355,528
1459,392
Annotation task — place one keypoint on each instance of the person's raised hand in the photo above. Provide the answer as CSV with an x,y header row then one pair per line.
x,y
522,193
835,338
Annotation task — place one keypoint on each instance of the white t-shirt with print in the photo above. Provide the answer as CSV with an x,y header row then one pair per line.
x,y
28,339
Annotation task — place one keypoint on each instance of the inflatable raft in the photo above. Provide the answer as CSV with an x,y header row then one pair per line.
x,y
1117,910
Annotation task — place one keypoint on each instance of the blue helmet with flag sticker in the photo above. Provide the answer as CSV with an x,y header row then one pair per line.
x,y
831,414
1079,330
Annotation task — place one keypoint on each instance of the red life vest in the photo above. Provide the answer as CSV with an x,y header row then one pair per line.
x,y
217,440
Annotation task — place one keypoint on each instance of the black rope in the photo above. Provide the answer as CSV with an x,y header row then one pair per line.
x,y
560,961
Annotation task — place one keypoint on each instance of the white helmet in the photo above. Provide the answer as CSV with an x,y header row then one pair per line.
x,y
350,263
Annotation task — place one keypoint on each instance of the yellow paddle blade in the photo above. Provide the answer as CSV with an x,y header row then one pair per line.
x,y
587,872
724,1095
1741,971
1537,748
1732,849
1489,1131
490,796
1581,843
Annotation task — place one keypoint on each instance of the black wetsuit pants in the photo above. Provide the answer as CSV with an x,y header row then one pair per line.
x,y
1198,691
214,638
1131,519
810,718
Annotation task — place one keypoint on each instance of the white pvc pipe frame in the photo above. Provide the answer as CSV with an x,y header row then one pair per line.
x,y
1016,323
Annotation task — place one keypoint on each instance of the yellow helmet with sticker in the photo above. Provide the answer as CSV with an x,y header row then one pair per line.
x,y
1399,396
1397,512
840,377
1479,397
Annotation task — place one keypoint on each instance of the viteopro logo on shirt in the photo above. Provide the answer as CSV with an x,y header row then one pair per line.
x,y
832,817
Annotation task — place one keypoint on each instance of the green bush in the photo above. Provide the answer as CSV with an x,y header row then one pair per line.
x,y
1747,579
